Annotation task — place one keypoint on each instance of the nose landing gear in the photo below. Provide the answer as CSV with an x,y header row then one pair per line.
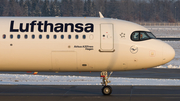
x,y
106,90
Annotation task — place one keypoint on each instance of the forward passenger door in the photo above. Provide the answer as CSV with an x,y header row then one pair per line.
x,y
106,37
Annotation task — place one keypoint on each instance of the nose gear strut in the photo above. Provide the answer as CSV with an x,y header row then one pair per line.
x,y
106,90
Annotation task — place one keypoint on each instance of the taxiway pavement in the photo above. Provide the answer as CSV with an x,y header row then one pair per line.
x,y
88,93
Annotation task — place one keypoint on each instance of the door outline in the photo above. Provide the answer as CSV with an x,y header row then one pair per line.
x,y
101,34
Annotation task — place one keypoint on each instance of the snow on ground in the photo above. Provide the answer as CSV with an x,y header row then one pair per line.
x,y
168,67
21,79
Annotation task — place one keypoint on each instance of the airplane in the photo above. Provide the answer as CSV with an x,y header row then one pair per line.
x,y
79,44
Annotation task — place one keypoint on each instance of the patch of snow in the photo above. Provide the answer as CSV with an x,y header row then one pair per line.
x,y
168,67
22,79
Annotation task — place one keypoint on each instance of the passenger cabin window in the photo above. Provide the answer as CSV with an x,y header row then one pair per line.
x,y
62,36
69,36
33,36
84,36
47,36
76,36
18,36
55,36
4,36
141,36
11,36
25,36
40,36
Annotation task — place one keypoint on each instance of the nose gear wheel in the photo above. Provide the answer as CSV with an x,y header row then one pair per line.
x,y
106,90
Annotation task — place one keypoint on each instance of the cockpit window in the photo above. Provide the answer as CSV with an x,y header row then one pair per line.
x,y
142,35
151,35
135,36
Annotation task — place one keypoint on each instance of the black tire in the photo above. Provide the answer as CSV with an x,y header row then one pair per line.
x,y
107,90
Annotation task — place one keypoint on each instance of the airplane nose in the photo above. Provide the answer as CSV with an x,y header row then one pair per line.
x,y
168,53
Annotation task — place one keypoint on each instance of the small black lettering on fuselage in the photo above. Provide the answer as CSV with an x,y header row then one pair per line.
x,y
58,27
87,47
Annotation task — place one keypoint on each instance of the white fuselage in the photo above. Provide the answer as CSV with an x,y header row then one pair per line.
x,y
101,45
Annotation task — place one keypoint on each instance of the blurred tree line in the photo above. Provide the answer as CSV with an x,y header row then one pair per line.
x,y
131,10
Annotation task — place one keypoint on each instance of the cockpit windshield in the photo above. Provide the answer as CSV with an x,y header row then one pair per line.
x,y
142,35
151,35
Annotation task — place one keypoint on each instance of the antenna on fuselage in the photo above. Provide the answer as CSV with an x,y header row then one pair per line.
x,y
100,14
